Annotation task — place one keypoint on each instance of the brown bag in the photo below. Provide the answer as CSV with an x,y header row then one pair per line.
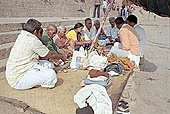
x,y
125,61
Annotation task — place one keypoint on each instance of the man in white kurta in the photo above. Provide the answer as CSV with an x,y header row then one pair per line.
x,y
23,69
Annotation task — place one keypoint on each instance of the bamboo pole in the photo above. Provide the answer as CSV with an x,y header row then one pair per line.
x,y
101,26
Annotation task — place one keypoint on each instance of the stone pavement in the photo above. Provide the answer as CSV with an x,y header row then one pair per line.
x,y
148,91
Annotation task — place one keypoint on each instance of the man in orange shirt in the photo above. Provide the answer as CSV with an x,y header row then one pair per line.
x,y
129,42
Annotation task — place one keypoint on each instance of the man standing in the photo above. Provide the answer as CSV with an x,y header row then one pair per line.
x,y
129,42
123,13
112,31
23,69
97,4
104,6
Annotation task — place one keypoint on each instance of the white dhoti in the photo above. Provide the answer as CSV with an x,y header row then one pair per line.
x,y
41,74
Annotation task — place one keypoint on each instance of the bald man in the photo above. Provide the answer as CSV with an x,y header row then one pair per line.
x,y
47,40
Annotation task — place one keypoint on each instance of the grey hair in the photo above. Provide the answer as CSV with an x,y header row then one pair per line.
x,y
96,21
61,28
111,18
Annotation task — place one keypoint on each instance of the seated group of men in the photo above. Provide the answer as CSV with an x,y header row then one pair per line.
x,y
34,55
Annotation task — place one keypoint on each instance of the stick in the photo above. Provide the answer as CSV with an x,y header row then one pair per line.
x,y
104,19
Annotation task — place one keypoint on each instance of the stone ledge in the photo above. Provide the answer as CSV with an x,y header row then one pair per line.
x,y
20,106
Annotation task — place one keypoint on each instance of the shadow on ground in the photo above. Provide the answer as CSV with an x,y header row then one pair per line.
x,y
148,66
60,81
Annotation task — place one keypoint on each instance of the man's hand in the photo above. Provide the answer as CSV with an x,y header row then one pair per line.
x,y
64,57
117,39
55,55
88,42
110,39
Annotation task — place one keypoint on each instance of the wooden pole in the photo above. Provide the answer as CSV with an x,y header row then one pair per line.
x,y
101,26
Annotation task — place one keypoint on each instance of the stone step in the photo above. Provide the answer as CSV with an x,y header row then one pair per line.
x,y
15,24
2,65
2,75
7,37
42,8
5,50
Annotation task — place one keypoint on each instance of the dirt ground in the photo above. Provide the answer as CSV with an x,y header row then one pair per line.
x,y
58,100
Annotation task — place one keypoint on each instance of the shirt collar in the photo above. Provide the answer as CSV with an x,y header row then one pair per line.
x,y
24,32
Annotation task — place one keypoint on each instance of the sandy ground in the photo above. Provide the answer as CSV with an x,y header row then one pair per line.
x,y
58,100
151,92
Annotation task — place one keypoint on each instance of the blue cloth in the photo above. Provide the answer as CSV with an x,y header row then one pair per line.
x,y
103,83
78,39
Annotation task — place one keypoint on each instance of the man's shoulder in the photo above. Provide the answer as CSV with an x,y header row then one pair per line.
x,y
138,27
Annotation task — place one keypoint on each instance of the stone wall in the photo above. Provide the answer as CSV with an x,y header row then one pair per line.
x,y
44,8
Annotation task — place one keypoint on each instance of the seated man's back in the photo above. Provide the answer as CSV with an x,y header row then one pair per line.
x,y
129,40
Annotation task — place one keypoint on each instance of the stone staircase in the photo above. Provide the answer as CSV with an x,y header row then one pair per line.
x,y
44,8
9,32
11,27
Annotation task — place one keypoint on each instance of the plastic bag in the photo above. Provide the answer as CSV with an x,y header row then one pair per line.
x,y
77,56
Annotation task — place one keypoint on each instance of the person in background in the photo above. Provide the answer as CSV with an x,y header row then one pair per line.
x,y
132,21
129,41
97,4
104,6
123,13
112,31
47,40
62,42
77,36
24,70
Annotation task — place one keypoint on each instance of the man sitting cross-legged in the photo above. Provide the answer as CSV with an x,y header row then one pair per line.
x,y
129,41
23,69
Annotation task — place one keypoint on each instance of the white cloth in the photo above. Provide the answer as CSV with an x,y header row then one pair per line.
x,y
113,32
117,51
142,38
97,96
26,49
99,78
104,4
89,35
118,45
41,74
134,58
98,62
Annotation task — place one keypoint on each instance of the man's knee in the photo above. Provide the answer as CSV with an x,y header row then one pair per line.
x,y
52,74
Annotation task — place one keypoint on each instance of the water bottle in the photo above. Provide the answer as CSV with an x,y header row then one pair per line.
x,y
78,62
